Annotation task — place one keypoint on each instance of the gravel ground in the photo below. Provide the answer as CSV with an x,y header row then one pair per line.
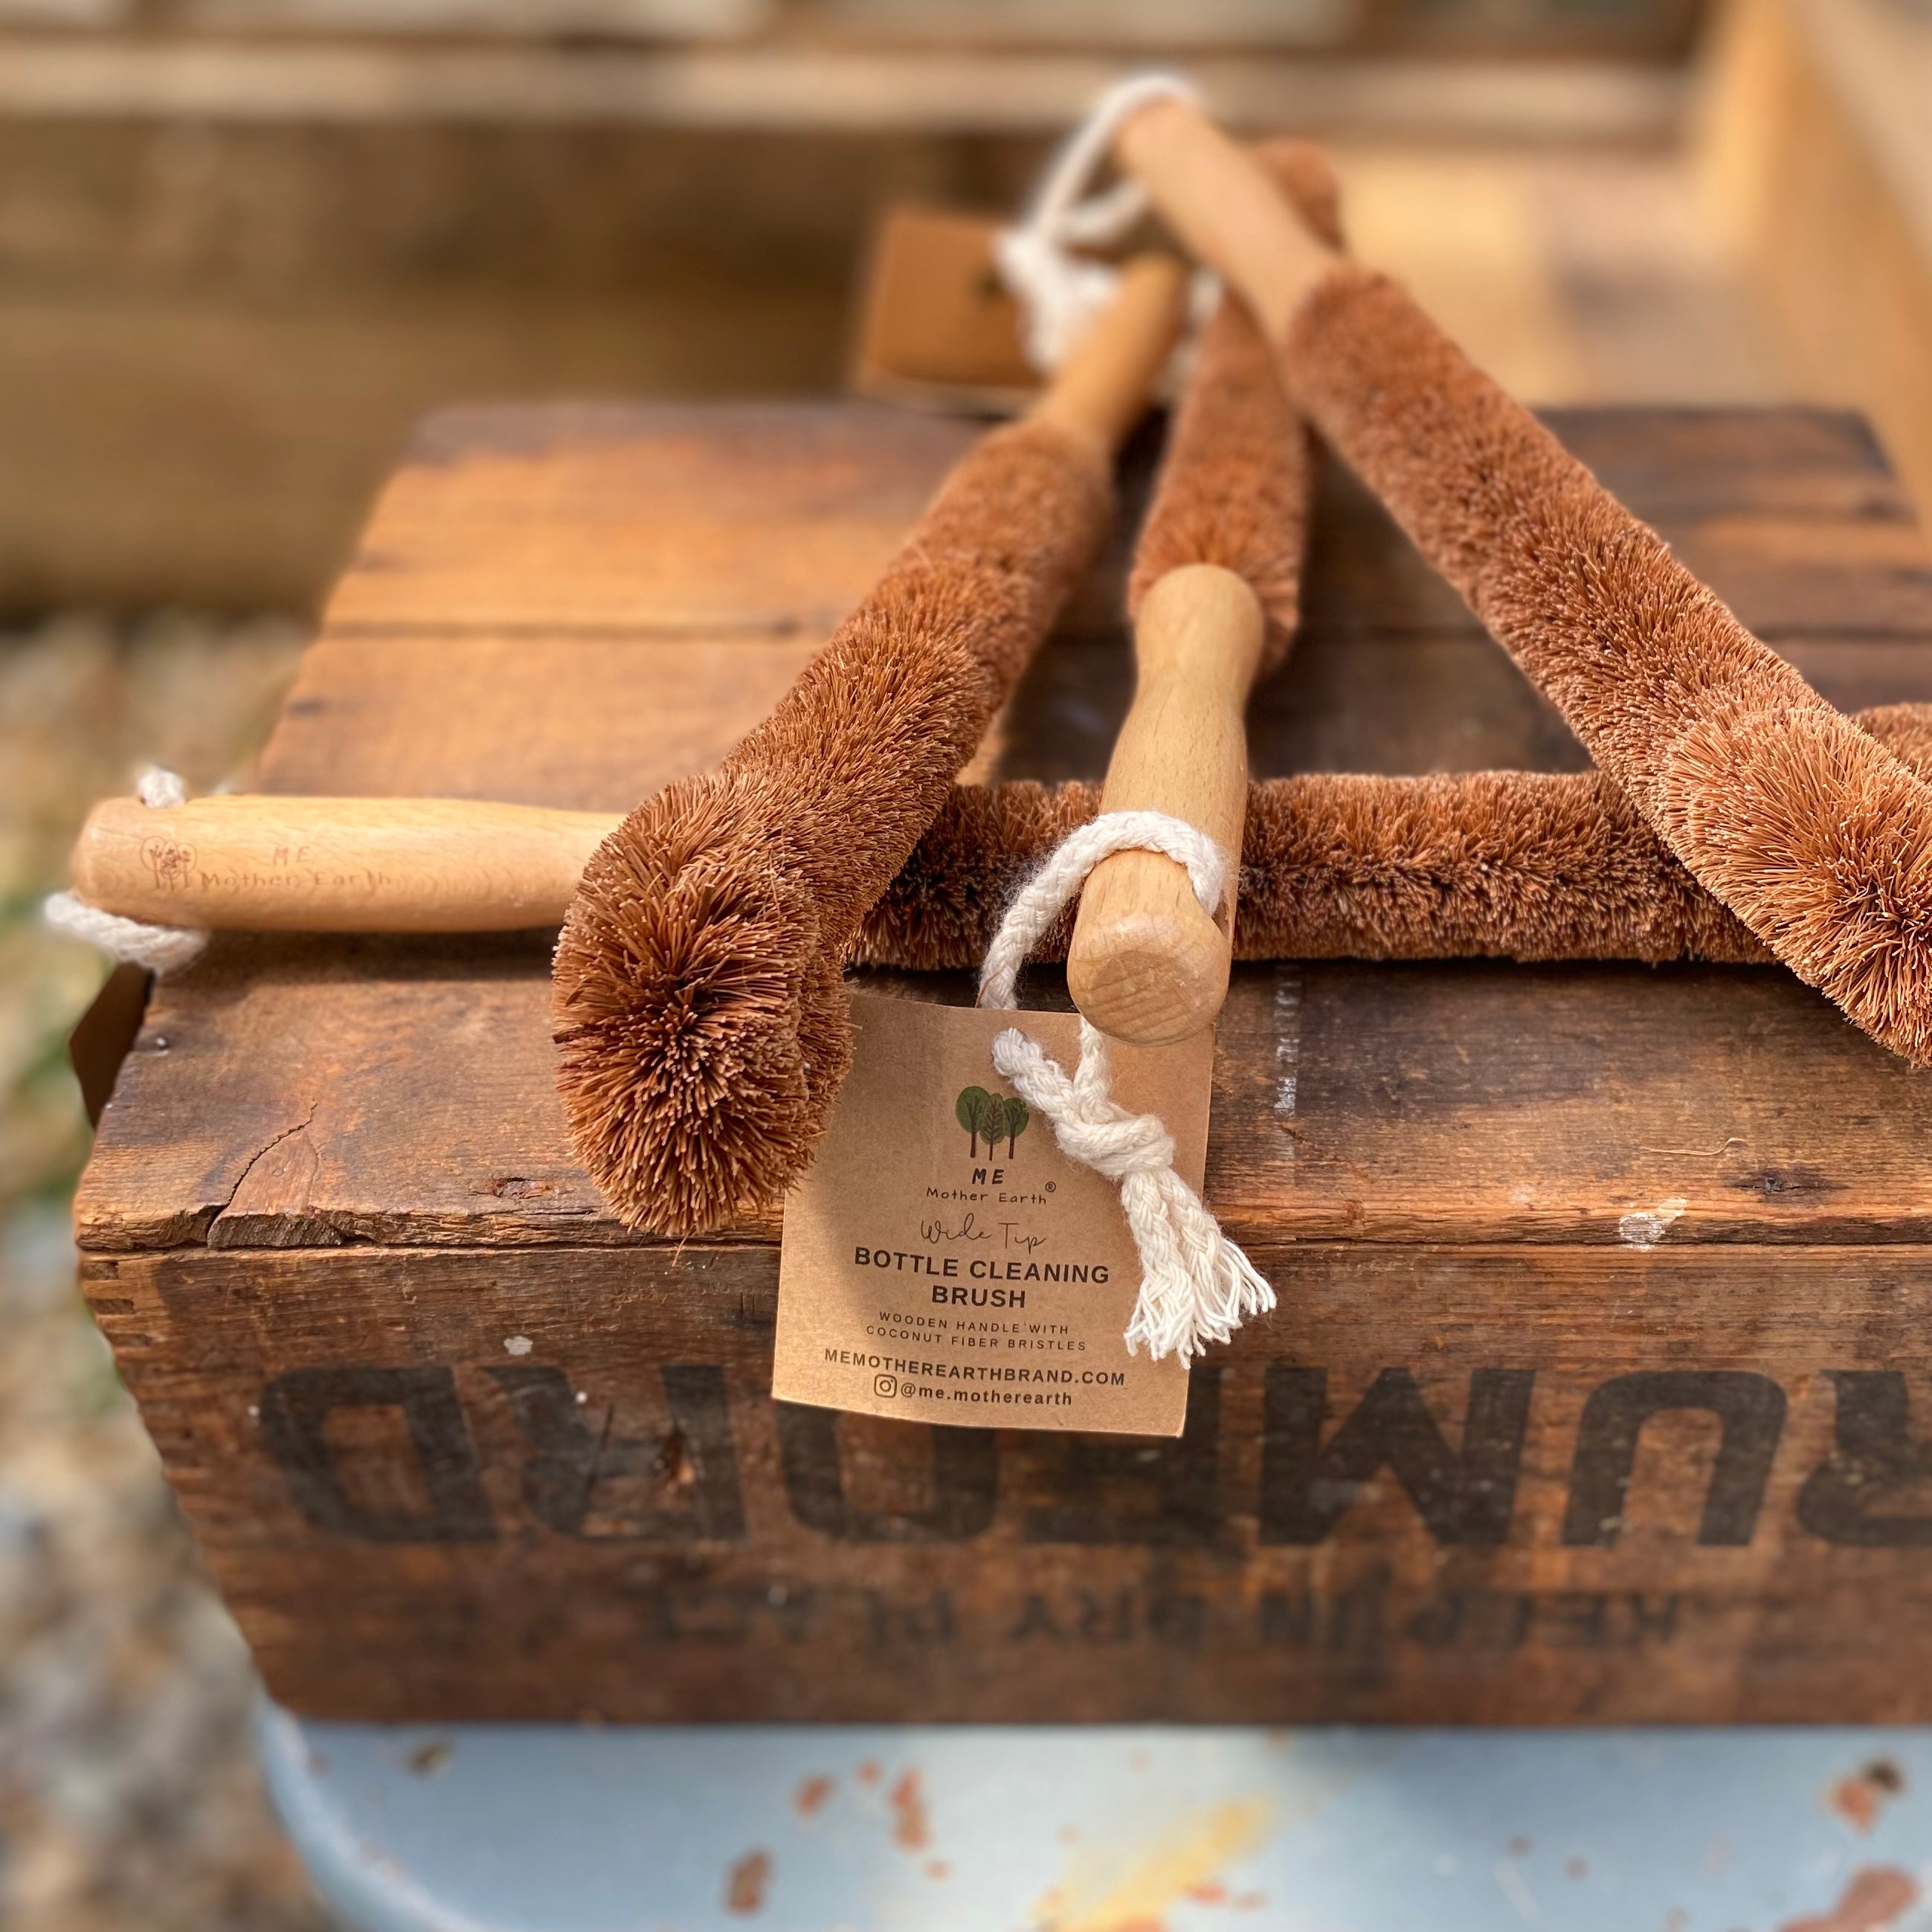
x,y
129,1801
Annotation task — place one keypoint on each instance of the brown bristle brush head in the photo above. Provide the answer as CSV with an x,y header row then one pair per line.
x,y
698,1001
1525,865
1806,827
1234,486
1814,834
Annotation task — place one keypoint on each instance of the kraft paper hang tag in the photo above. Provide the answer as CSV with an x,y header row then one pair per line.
x,y
937,327
943,1262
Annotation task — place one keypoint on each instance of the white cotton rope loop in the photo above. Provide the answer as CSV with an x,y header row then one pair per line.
x,y
1061,293
163,950
1196,1285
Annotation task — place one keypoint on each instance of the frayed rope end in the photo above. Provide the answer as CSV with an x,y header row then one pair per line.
x,y
1196,1285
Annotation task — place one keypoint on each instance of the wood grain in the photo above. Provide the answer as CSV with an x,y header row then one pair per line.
x,y
758,520
1472,1101
1148,962
1504,1208
1492,1485
332,865
1221,204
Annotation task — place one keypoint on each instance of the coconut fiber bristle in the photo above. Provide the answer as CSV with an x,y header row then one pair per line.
x,y
1527,865
1808,828
1234,485
696,1001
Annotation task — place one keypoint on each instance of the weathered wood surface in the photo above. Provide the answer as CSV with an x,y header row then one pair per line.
x,y
1550,1485
381,1090
332,1190
571,607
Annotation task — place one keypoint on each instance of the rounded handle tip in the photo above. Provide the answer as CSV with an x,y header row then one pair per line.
x,y
1152,977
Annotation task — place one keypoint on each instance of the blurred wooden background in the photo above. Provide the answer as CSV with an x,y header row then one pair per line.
x,y
243,242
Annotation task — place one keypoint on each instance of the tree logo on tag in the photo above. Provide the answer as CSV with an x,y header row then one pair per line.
x,y
991,1117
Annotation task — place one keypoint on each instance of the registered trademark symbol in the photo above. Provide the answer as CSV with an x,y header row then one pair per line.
x,y
1052,1185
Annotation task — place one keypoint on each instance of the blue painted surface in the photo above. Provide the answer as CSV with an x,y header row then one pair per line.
x,y
552,1829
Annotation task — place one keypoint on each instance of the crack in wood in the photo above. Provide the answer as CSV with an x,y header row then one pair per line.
x,y
268,1146
274,1210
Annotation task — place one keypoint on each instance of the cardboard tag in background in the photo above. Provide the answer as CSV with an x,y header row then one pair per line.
x,y
936,328
943,1262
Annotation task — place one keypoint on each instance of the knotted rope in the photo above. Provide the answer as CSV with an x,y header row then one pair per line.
x,y
1060,292
163,950
1196,1285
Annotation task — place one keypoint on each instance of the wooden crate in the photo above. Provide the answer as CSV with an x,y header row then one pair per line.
x,y
1599,1390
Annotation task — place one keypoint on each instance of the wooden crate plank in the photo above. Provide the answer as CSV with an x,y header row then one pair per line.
x,y
594,723
758,518
633,520
418,1077
1785,573
1659,1489
601,726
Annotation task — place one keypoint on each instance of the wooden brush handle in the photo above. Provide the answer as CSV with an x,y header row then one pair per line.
x,y
1147,964
1101,391
1222,203
335,865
